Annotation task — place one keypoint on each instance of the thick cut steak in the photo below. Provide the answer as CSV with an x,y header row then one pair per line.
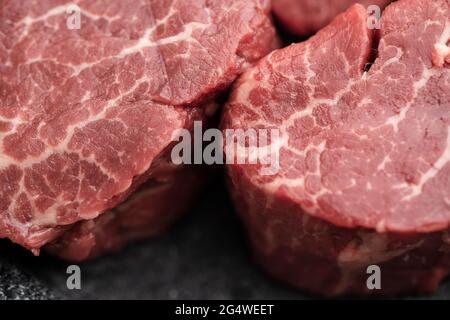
x,y
169,192
304,17
88,114
364,176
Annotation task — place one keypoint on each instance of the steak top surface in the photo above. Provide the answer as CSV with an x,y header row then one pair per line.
x,y
361,144
84,112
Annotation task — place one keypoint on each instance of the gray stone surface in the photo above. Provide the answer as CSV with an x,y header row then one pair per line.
x,y
15,284
203,257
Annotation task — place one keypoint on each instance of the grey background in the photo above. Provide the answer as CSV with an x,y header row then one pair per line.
x,y
204,256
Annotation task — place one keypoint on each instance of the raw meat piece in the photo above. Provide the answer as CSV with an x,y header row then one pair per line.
x,y
87,114
364,176
304,17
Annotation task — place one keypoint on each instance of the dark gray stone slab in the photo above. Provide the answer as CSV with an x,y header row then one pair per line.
x,y
15,284
203,257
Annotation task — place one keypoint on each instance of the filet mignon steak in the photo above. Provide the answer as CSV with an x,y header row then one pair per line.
x,y
305,17
364,174
88,114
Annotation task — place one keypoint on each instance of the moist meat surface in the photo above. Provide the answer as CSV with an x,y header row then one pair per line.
x,y
364,174
304,17
86,113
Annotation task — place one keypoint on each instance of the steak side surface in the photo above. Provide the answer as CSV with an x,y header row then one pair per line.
x,y
364,172
305,17
88,113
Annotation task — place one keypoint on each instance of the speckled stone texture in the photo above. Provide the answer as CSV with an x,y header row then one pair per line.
x,y
203,257
15,284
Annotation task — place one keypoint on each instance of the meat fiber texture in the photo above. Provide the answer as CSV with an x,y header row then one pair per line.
x,y
88,115
364,172
305,17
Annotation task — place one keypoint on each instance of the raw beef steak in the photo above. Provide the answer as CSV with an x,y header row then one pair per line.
x,y
88,112
169,192
303,17
364,173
